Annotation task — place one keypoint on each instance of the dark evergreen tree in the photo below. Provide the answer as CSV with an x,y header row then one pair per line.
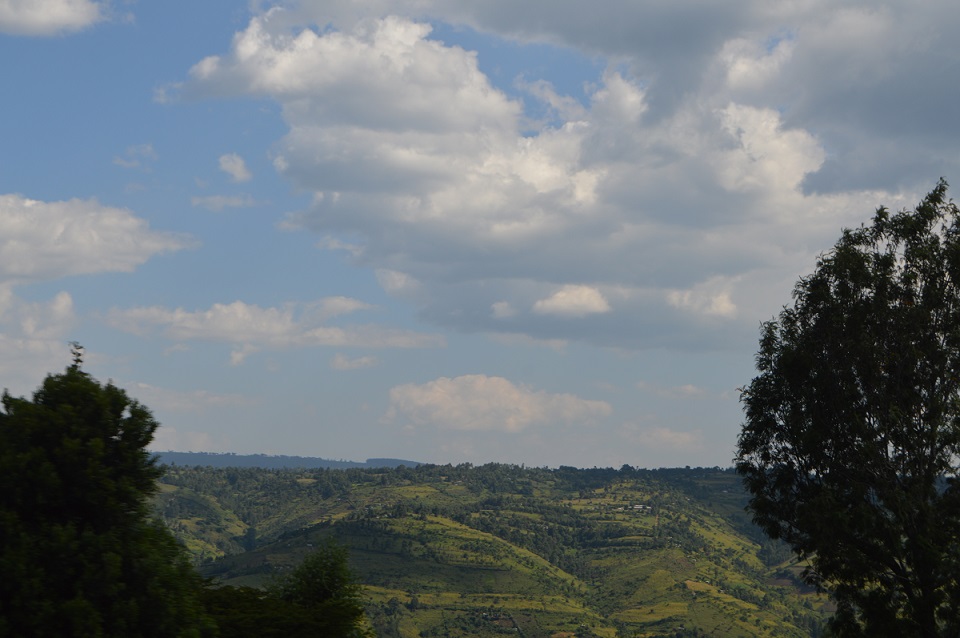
x,y
324,586
852,433
79,552
247,612
318,598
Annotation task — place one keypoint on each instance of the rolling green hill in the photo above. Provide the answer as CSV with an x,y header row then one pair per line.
x,y
506,550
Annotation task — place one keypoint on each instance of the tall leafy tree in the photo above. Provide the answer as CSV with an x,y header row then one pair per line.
x,y
850,443
79,552
320,597
324,586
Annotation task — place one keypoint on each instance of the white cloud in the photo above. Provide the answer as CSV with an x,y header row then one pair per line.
x,y
379,58
710,298
573,301
251,328
342,362
33,338
438,181
479,402
39,321
750,65
47,240
696,174
25,362
765,157
217,203
234,166
48,17
42,241
562,106
332,243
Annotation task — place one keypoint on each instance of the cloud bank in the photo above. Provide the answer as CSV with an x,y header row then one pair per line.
x,y
47,241
484,403
251,328
688,205
48,17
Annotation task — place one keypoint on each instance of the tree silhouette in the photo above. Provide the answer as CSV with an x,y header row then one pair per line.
x,y
852,429
79,552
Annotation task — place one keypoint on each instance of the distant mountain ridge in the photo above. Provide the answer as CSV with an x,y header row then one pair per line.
x,y
272,462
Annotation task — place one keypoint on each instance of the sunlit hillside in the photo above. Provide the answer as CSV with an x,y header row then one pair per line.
x,y
499,549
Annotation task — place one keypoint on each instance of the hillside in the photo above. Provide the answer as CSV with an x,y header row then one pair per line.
x,y
496,549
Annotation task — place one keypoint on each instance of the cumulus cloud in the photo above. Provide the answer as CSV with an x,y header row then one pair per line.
x,y
573,301
706,165
377,58
765,157
480,402
48,17
47,240
39,320
750,65
251,328
332,243
234,166
43,241
710,298
33,338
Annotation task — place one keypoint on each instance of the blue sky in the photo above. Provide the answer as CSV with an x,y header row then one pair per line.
x,y
540,232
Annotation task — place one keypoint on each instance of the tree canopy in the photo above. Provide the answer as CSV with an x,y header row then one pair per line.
x,y
852,432
324,586
79,552
320,597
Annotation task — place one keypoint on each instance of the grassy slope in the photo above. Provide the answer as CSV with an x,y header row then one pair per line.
x,y
464,551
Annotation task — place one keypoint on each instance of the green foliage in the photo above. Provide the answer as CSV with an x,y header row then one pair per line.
x,y
853,425
249,612
324,586
318,598
79,553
